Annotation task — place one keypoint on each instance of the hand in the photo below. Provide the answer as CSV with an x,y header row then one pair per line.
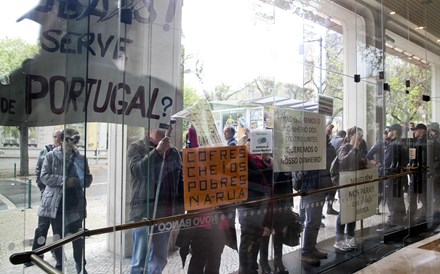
x,y
267,231
163,146
70,182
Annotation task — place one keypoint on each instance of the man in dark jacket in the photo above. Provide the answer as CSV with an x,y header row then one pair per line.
x,y
417,186
156,191
395,158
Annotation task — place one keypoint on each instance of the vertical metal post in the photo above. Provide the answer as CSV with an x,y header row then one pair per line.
x,y
320,65
29,192
15,170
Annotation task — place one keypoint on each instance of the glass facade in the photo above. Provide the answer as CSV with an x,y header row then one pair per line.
x,y
208,136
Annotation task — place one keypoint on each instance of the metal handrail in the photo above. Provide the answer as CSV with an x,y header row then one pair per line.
x,y
34,255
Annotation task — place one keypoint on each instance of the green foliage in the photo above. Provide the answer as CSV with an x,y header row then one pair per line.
x,y
402,106
12,54
11,132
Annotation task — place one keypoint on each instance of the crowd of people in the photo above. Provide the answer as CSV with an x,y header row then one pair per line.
x,y
155,159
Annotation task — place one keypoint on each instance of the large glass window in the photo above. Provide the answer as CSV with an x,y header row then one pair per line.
x,y
218,135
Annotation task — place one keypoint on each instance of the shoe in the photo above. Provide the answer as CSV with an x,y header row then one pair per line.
x,y
331,211
319,255
279,267
322,216
28,264
265,267
309,259
342,246
80,269
351,242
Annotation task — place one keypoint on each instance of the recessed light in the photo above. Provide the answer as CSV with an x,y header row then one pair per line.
x,y
392,12
419,28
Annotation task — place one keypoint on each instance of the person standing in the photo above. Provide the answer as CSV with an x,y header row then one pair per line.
x,y
395,158
155,166
434,164
40,235
418,180
256,219
66,173
207,241
376,157
282,185
351,157
314,180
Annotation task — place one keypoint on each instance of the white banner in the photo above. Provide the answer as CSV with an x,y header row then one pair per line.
x,y
358,202
200,115
98,63
299,140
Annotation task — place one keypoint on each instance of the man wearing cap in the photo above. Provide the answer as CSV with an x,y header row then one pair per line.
x,y
418,180
395,157
156,168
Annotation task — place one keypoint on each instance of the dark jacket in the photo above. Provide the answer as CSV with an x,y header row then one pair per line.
x,y
41,156
351,158
145,165
259,187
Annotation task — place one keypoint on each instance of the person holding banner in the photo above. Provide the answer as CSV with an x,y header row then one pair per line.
x,y
256,219
156,191
351,157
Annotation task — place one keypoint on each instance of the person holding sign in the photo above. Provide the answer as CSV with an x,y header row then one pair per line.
x,y
351,157
156,191
255,219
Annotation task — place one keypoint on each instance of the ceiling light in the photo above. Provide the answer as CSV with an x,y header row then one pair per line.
x,y
407,53
398,49
419,28
438,40
416,57
392,12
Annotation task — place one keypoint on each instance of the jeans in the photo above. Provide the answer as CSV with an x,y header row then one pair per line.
x,y
313,212
340,229
158,257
